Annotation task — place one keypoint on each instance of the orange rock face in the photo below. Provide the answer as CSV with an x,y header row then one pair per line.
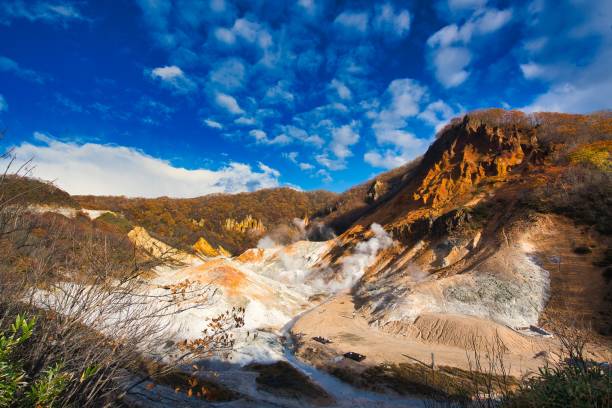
x,y
472,155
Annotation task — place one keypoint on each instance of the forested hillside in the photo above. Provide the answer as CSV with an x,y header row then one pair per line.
x,y
181,222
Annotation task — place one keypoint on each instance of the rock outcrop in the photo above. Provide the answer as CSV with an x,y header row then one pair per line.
x,y
376,190
246,225
468,154
156,248
204,249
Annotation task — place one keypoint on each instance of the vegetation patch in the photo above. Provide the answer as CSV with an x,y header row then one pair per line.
x,y
26,190
596,154
193,385
442,383
282,379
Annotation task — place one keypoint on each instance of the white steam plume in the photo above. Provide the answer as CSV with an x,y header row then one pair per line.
x,y
355,265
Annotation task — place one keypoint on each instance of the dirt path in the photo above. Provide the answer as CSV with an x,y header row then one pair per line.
x,y
337,321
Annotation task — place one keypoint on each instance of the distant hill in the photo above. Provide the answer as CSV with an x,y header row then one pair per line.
x,y
234,221
26,190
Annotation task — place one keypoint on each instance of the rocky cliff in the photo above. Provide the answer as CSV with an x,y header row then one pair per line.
x,y
464,219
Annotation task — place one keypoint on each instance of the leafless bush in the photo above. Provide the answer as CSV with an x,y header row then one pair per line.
x,y
95,313
489,372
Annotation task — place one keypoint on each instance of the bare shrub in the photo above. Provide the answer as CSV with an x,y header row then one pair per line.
x,y
96,318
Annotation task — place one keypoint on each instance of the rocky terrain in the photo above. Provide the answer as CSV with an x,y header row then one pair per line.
x,y
499,233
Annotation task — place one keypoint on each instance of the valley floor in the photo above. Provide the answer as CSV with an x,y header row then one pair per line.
x,y
337,321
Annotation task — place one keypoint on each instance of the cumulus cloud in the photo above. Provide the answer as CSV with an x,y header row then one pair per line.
x,y
228,103
343,138
402,101
229,75
213,124
225,35
391,23
92,168
9,65
248,31
449,46
437,114
279,93
388,159
50,12
173,78
305,166
550,57
403,98
466,4
293,158
261,137
353,21
343,91
532,70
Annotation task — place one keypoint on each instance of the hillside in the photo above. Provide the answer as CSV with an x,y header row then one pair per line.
x,y
234,221
486,187
30,191
500,232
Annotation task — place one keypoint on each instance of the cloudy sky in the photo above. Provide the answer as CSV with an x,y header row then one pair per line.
x,y
188,97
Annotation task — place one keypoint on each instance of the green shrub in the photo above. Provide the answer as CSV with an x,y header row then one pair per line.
x,y
572,384
12,374
16,388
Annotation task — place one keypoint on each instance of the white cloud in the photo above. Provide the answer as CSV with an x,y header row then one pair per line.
x,y
437,114
449,46
292,156
325,176
388,22
306,166
3,104
299,134
402,101
258,134
92,168
228,103
173,78
343,138
249,31
9,65
246,121
229,74
532,70
279,93
213,124
572,87
47,11
281,139
225,35
343,91
261,137
577,97
353,21
466,4
387,160
218,6
308,5
450,65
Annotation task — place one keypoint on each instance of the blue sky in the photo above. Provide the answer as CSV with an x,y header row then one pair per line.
x,y
185,97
